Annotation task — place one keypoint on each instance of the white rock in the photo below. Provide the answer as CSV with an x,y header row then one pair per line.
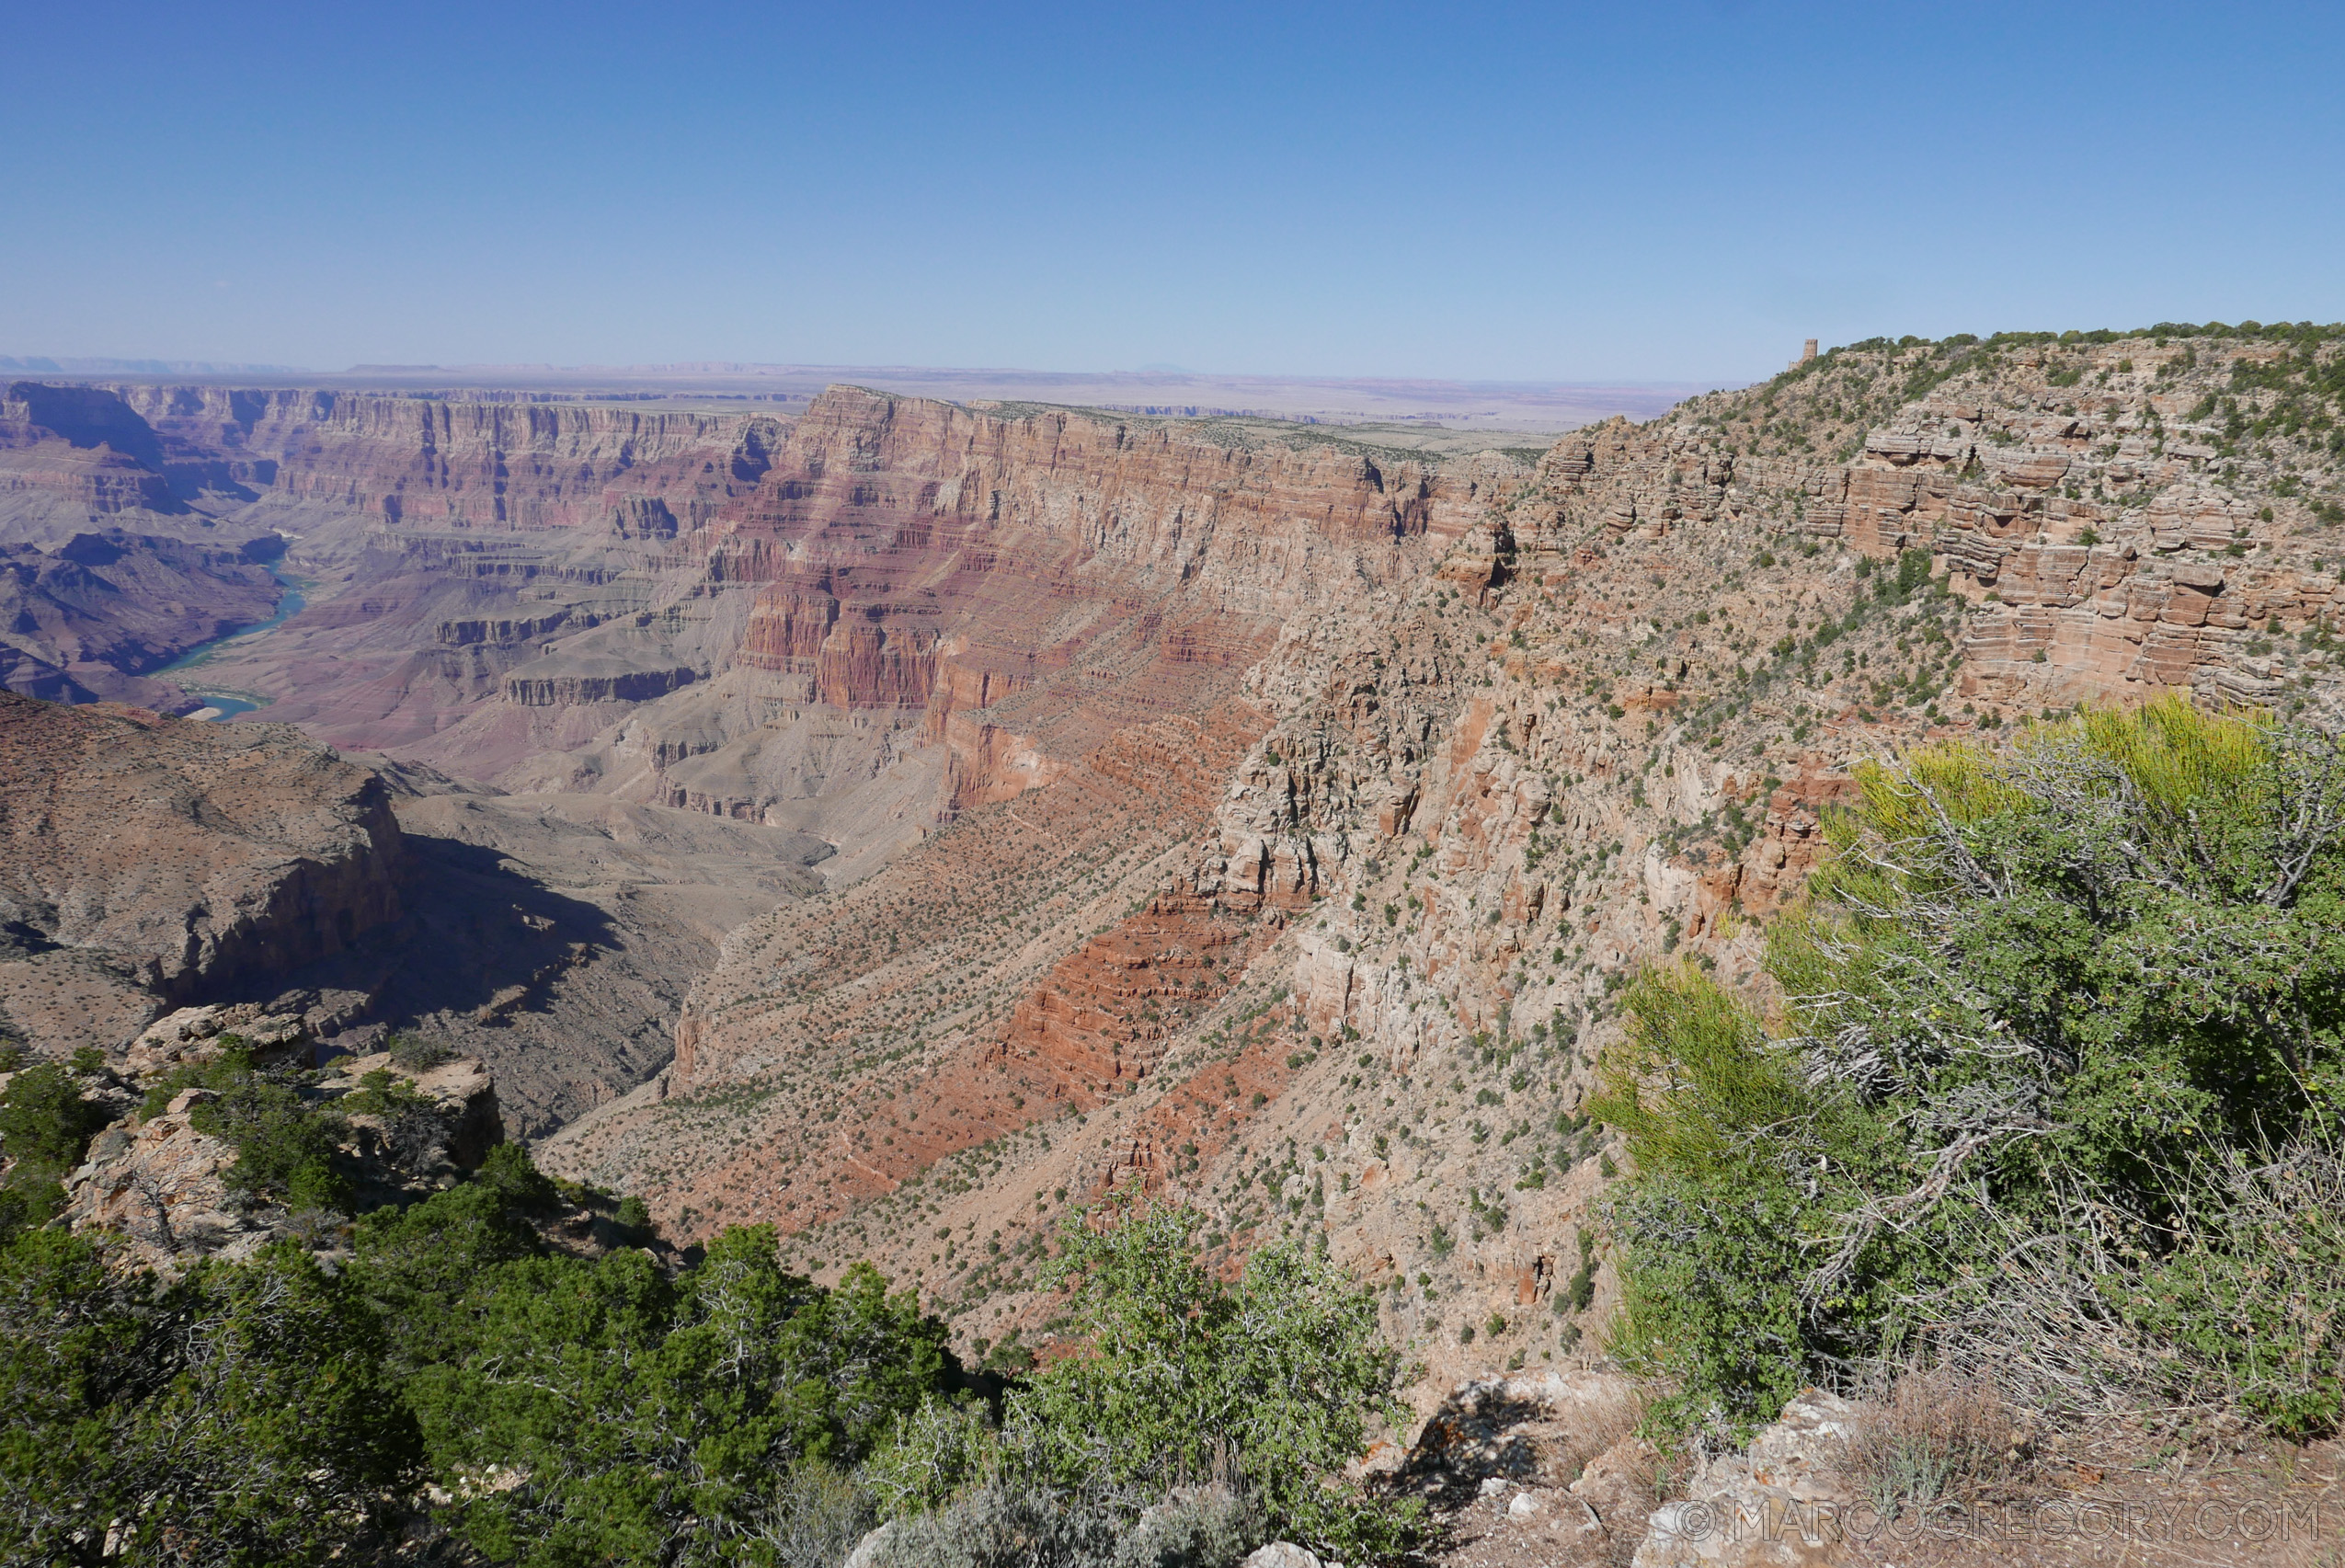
x,y
1277,1555
1780,1506
1524,1504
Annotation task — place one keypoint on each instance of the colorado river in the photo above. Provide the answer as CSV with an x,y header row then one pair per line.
x,y
224,705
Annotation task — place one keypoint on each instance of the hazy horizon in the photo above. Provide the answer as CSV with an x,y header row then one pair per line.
x,y
1492,407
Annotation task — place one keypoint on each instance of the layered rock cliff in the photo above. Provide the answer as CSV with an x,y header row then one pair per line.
x,y
465,462
1598,728
78,446
966,602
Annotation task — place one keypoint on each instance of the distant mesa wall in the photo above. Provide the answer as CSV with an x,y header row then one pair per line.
x,y
81,445
896,538
633,472
1031,584
469,462
567,691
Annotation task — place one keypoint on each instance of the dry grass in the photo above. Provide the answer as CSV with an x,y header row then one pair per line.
x,y
1932,1435
1600,1421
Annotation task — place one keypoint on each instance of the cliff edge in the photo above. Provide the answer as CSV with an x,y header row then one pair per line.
x,y
147,861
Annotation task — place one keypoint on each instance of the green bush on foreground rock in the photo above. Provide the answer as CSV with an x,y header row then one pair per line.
x,y
614,1410
287,1147
2055,1096
1241,1401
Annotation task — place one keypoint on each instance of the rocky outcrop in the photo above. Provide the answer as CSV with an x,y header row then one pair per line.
x,y
192,1037
578,689
179,857
162,1190
1782,1504
2066,493
465,1120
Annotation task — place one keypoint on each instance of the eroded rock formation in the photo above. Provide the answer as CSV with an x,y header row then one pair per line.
x,y
1597,726
147,861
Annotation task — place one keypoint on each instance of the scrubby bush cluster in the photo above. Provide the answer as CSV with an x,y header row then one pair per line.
x,y
2052,1100
288,1144
453,1388
1239,1402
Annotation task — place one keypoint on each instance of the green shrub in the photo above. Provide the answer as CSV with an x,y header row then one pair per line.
x,y
413,1053
936,1453
242,1412
2253,1301
234,1064
1913,570
648,1412
509,1172
286,1147
45,1125
1007,1526
2048,1018
268,1412
413,1125
45,1128
1189,1376
423,1268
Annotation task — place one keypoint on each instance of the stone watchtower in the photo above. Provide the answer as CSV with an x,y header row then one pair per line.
x,y
1807,352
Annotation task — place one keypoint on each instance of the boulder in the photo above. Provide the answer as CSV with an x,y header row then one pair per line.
x,y
872,1551
1780,1505
161,1188
1282,1554
193,1035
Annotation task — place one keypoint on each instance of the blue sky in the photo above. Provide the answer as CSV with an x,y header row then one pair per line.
x,y
1661,191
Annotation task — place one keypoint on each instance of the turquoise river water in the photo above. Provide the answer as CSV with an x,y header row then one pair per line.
x,y
224,705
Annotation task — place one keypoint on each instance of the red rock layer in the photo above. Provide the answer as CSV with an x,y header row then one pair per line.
x,y
1101,1018
915,556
